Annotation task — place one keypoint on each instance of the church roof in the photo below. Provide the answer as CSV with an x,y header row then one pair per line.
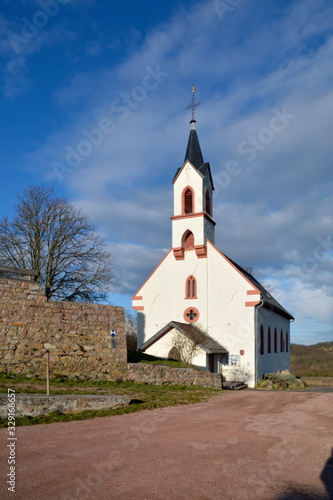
x,y
268,300
193,152
194,156
190,331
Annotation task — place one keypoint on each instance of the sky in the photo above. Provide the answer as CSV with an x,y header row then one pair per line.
x,y
92,97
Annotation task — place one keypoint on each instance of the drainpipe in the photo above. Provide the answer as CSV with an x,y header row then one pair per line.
x,y
256,322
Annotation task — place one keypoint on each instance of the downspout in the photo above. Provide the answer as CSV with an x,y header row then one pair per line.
x,y
257,340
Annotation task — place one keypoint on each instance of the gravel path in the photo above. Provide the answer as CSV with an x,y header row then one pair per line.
x,y
239,445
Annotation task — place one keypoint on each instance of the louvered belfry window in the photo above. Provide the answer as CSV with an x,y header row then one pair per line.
x,y
188,202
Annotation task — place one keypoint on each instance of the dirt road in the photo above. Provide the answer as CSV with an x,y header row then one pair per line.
x,y
239,445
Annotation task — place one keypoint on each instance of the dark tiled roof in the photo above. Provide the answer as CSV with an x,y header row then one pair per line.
x,y
193,151
268,300
192,332
194,156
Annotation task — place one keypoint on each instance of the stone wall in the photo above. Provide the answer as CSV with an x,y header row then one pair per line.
x,y
158,375
40,404
77,336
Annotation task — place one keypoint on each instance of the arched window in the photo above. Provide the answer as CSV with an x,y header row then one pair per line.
x,y
269,345
262,346
287,342
208,206
281,341
275,340
187,202
189,241
191,288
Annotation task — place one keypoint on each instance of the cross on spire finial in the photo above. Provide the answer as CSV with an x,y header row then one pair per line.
x,y
193,104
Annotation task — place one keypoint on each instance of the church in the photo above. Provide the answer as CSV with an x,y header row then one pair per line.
x,y
196,291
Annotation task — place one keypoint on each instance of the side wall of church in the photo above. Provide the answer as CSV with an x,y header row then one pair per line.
x,y
77,336
271,362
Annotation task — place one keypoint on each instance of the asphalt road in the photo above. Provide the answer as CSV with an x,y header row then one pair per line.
x,y
239,445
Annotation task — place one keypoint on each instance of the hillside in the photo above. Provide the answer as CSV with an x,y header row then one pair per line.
x,y
312,360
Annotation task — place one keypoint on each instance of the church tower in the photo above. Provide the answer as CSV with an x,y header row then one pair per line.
x,y
192,221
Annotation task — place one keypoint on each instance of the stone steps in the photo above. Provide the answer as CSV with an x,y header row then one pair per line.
x,y
234,385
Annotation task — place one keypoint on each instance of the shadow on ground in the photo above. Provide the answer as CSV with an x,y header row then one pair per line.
x,y
297,493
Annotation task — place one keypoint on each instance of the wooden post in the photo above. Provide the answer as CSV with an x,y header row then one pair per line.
x,y
47,373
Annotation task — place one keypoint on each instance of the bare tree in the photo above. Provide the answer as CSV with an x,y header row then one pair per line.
x,y
184,348
49,234
131,329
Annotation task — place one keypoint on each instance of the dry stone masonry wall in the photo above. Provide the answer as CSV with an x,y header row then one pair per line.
x,y
158,375
77,336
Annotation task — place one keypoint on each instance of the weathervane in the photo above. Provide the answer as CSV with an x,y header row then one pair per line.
x,y
193,104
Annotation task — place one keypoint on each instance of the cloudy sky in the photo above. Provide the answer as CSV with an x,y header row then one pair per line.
x,y
92,101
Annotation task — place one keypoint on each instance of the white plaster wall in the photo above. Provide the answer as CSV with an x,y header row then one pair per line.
x,y
188,177
163,295
194,224
222,293
231,322
163,346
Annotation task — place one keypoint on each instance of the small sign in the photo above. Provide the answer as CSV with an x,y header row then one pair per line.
x,y
241,352
113,333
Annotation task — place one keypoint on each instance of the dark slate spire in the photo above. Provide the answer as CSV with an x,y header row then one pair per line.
x,y
193,151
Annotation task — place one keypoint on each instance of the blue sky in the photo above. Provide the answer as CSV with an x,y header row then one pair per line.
x,y
92,101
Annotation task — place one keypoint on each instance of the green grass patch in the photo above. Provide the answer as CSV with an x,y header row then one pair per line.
x,y
143,396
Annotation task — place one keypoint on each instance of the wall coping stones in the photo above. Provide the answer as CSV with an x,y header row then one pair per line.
x,y
41,404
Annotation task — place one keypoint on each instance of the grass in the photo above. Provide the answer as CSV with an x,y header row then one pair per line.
x,y
141,357
143,396
312,360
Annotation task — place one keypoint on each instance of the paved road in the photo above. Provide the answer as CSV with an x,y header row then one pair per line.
x,y
239,445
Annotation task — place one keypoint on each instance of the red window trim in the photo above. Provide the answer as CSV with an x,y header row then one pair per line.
x,y
275,341
190,282
186,235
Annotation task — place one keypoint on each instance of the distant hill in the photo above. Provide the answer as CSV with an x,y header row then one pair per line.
x,y
312,360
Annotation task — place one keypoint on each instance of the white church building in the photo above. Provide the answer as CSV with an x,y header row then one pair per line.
x,y
242,332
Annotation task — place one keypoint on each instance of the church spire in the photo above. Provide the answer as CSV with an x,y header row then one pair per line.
x,y
193,151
